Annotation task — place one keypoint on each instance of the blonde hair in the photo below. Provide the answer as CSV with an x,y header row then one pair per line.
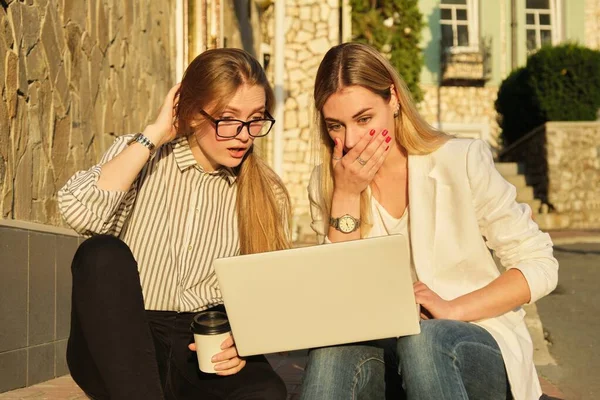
x,y
263,203
357,64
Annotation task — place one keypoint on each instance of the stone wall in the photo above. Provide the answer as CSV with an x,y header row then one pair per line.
x,y
312,28
75,73
456,105
592,23
562,163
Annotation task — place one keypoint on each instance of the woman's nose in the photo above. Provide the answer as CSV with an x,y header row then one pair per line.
x,y
244,135
353,136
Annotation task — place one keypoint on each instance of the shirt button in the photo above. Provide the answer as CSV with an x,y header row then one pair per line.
x,y
190,248
197,210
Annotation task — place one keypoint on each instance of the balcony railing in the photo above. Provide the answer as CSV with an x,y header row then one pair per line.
x,y
466,66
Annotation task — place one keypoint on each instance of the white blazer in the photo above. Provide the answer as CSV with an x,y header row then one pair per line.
x,y
459,206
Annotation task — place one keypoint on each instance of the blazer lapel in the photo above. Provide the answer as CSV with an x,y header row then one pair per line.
x,y
422,191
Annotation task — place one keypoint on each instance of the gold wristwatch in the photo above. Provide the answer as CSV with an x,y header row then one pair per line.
x,y
345,224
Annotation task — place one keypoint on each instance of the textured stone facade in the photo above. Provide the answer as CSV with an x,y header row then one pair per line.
x,y
312,28
562,163
592,23
75,73
453,106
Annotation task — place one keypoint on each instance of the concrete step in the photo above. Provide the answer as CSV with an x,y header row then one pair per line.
x,y
518,181
551,221
510,172
535,205
507,168
525,194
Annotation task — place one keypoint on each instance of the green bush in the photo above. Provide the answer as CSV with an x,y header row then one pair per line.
x,y
517,106
566,81
560,83
400,41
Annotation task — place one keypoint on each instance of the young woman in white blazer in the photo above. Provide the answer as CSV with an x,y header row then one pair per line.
x,y
385,171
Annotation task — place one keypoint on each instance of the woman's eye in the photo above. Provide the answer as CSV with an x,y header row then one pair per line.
x,y
335,127
364,120
227,117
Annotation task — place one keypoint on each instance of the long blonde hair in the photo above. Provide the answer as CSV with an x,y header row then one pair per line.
x,y
263,203
357,64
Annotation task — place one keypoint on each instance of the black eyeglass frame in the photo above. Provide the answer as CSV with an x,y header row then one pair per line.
x,y
243,124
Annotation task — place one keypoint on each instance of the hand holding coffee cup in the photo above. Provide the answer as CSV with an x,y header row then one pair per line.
x,y
214,344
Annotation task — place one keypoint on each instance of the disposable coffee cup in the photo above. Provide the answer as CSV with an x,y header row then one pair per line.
x,y
210,329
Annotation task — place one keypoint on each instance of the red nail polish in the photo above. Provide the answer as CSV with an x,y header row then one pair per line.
x,y
385,132
388,139
372,132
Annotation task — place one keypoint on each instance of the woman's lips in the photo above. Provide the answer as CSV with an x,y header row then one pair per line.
x,y
237,152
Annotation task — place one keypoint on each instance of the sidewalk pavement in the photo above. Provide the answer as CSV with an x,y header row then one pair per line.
x,y
290,366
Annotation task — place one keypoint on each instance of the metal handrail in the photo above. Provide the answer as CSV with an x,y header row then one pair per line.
x,y
529,135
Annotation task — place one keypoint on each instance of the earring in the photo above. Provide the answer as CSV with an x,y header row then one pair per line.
x,y
397,112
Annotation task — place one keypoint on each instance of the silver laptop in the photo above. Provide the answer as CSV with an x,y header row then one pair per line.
x,y
319,296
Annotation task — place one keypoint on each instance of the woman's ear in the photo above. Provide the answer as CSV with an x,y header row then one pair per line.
x,y
394,103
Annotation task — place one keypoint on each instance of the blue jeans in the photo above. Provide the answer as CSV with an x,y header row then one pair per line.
x,y
354,371
447,360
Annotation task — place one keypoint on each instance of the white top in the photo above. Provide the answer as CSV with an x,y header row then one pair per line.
x,y
394,226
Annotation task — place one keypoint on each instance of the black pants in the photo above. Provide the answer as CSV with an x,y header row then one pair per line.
x,y
117,350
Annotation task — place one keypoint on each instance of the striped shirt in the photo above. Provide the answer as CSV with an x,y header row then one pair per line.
x,y
176,218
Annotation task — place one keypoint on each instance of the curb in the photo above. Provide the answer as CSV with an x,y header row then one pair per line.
x,y
574,236
575,239
541,354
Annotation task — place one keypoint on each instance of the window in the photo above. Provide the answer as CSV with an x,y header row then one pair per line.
x,y
459,24
542,24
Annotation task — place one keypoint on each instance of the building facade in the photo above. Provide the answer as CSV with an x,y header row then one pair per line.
x,y
470,46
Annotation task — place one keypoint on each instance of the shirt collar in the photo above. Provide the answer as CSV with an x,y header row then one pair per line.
x,y
185,159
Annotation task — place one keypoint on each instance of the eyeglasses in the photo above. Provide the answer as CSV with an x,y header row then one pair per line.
x,y
230,128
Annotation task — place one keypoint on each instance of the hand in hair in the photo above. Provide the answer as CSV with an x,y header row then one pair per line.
x,y
354,171
227,362
164,129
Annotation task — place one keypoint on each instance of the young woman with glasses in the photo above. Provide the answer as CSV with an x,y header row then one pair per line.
x,y
386,171
162,204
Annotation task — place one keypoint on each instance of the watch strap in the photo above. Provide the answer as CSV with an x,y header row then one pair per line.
x,y
334,222
144,141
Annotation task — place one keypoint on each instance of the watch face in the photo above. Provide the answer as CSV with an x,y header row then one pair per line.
x,y
347,224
